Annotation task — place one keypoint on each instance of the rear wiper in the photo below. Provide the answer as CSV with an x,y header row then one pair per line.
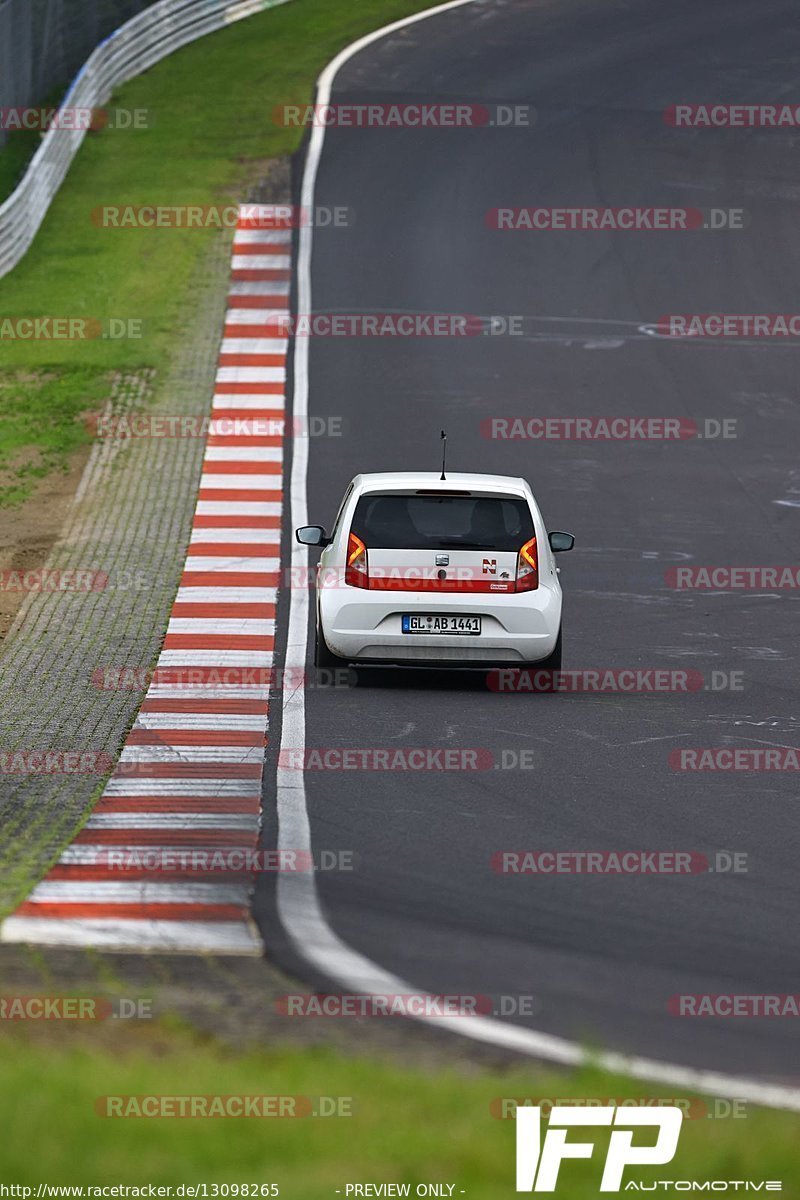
x,y
455,545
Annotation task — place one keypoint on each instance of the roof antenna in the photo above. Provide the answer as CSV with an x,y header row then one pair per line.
x,y
444,452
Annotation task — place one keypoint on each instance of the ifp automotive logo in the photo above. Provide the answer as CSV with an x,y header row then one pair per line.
x,y
539,1160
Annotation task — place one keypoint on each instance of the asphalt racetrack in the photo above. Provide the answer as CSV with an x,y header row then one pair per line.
x,y
600,955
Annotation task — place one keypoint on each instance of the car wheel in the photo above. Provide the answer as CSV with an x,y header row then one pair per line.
x,y
553,661
324,658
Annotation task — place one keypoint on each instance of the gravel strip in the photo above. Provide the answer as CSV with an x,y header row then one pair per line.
x,y
130,520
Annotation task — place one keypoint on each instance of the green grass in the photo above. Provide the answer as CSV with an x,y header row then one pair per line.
x,y
408,1125
19,149
42,423
210,128
209,132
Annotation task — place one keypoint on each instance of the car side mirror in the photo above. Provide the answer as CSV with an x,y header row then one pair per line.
x,y
312,535
559,542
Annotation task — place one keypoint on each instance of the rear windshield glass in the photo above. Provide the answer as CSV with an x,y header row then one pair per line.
x,y
442,522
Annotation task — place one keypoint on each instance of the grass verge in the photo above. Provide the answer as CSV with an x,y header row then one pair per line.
x,y
21,145
209,134
42,423
407,1125
17,152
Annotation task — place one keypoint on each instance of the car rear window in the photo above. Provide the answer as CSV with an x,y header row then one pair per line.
x,y
392,522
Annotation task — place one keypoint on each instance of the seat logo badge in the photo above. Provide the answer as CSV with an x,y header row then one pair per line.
x,y
443,560
490,566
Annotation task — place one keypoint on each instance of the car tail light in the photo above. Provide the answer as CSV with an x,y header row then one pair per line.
x,y
356,572
528,567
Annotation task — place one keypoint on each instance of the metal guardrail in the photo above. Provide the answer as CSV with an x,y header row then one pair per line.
x,y
135,46
43,44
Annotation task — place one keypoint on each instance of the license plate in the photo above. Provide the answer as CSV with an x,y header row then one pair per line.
x,y
434,623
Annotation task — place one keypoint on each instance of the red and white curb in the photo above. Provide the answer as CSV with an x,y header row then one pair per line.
x,y
188,782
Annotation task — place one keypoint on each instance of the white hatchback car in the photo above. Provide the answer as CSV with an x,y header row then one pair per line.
x,y
424,571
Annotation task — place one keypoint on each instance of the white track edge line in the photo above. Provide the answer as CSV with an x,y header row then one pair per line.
x,y
297,899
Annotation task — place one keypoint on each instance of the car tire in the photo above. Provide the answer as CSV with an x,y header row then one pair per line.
x,y
553,660
324,658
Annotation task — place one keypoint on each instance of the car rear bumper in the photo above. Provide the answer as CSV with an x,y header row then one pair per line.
x,y
366,626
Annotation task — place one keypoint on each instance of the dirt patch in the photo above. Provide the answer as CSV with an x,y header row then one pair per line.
x,y
235,1001
29,532
268,180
